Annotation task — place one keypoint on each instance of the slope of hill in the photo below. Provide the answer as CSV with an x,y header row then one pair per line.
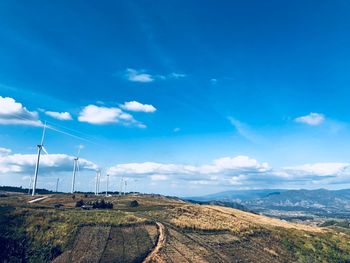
x,y
158,230
290,204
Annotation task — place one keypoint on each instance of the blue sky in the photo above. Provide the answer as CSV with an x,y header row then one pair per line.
x,y
161,92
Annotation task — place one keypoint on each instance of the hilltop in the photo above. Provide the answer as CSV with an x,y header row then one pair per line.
x,y
155,229
315,206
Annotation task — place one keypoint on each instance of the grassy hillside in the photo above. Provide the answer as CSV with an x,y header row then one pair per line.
x,y
39,232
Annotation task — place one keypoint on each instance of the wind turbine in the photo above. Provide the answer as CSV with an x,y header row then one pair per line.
x,y
75,168
30,184
97,186
121,186
40,148
107,185
58,179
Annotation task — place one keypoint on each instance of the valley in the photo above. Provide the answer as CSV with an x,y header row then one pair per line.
x,y
157,229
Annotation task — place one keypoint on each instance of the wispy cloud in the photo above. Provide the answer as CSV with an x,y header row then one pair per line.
x,y
4,151
64,116
317,169
143,76
312,119
175,75
244,130
107,115
14,113
138,76
137,106
213,81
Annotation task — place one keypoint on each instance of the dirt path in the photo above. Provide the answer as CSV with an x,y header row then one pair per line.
x,y
154,255
38,199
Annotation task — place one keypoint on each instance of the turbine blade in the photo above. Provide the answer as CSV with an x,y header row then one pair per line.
x,y
43,148
43,135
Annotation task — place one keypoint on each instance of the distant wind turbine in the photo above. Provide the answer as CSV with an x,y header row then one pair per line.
x,y
30,184
40,148
107,185
58,179
75,168
97,186
121,186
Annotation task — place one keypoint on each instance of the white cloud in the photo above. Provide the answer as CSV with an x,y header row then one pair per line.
x,y
14,113
226,166
312,119
158,177
137,106
175,75
239,171
245,131
4,151
138,76
99,115
213,81
237,180
176,129
317,169
143,77
106,115
64,116
25,163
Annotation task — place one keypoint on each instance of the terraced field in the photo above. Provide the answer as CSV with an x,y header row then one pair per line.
x,y
158,230
111,244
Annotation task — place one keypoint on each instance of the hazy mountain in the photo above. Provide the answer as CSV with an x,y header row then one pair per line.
x,y
237,195
290,203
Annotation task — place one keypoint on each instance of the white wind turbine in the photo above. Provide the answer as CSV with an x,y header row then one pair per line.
x,y
121,186
97,186
40,148
75,168
107,185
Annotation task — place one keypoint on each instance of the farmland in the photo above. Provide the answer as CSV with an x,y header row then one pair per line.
x,y
159,229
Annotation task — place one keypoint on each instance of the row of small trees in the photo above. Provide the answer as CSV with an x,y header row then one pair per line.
x,y
99,204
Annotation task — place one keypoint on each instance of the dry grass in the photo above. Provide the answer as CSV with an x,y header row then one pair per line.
x,y
263,220
205,218
224,218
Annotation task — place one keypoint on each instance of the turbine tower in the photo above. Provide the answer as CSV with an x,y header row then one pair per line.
x,y
30,184
107,185
97,186
58,180
40,148
121,186
98,182
75,169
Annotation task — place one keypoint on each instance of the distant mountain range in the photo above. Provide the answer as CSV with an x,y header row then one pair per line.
x,y
288,204
238,196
